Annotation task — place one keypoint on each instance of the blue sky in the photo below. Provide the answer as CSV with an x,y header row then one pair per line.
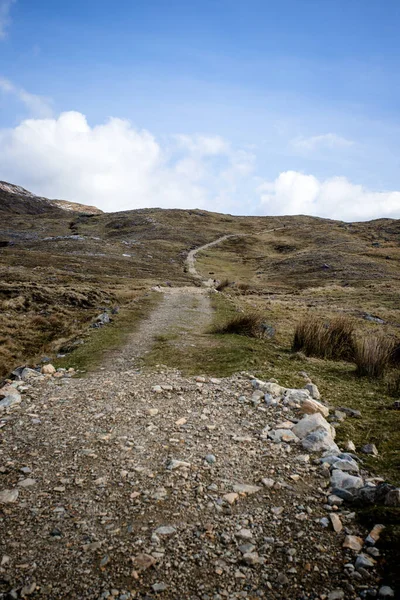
x,y
259,107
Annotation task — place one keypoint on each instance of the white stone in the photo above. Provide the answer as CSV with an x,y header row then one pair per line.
x,y
310,423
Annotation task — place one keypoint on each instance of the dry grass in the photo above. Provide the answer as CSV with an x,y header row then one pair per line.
x,y
373,355
330,340
249,325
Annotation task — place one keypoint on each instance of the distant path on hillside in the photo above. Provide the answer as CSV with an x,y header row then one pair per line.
x,y
191,257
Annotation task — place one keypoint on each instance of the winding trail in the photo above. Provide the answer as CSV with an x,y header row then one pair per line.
x,y
191,257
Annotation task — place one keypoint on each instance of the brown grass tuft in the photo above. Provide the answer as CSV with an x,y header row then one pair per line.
x,y
373,355
249,325
330,340
222,285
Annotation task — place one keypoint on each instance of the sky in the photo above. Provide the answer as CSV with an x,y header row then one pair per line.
x,y
263,107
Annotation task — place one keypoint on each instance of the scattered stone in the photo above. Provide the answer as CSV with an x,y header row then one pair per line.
x,y
364,562
251,558
268,483
277,510
48,369
231,498
181,421
282,435
159,587
143,561
313,390
165,530
178,464
210,458
26,482
353,542
336,595
152,412
8,496
370,449
319,441
311,423
350,412
374,534
310,406
245,489
385,592
343,481
336,522
244,534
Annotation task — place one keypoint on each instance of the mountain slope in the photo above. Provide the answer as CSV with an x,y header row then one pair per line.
x,y
59,267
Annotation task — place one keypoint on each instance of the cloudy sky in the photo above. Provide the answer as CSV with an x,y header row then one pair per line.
x,y
257,107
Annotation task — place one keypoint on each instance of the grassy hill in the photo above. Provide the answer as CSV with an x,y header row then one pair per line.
x,y
59,268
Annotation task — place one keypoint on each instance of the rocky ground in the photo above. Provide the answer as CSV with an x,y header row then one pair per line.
x,y
130,484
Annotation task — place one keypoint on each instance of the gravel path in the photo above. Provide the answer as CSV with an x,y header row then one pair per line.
x,y
183,311
127,487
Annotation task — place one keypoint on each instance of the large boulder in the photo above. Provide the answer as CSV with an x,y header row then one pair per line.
x,y
310,423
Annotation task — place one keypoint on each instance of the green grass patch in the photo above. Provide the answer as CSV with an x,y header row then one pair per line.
x,y
98,342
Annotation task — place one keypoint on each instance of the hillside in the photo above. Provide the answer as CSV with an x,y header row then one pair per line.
x,y
59,267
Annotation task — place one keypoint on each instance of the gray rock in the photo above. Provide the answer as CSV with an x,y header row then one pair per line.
x,y
343,481
103,319
165,530
336,595
313,390
8,496
159,587
392,498
282,435
10,400
350,412
370,449
310,423
364,562
318,441
210,458
385,592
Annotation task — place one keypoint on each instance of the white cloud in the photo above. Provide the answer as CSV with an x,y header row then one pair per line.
x,y
337,198
117,167
202,145
329,141
36,105
5,7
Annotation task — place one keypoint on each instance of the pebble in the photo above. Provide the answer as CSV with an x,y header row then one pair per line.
x,y
336,522
165,530
385,592
159,587
243,488
211,459
8,496
353,542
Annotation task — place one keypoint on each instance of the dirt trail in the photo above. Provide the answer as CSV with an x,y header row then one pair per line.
x,y
191,257
183,311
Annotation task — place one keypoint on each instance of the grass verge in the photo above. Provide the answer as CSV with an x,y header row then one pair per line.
x,y
98,342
